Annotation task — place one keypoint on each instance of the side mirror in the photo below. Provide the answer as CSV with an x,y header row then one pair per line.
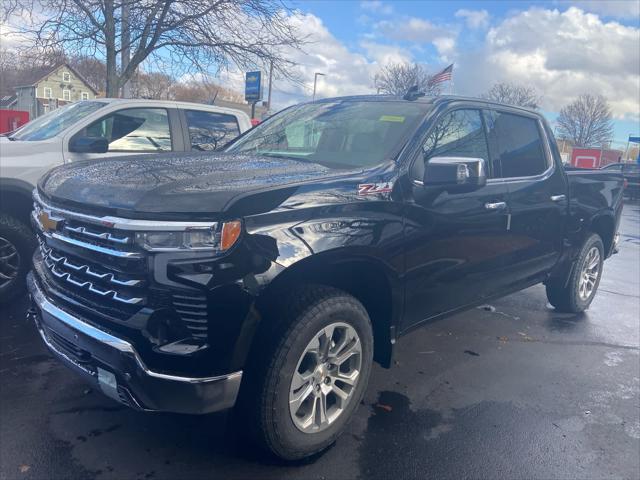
x,y
89,145
455,174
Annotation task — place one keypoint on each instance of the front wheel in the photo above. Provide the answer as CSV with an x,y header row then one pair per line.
x,y
317,374
581,288
17,244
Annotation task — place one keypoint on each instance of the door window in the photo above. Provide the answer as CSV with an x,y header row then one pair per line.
x,y
210,130
517,145
134,130
457,134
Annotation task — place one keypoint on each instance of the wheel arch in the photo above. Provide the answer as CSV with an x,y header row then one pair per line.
x,y
369,280
16,199
604,225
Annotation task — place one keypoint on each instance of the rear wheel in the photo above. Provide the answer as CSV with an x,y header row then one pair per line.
x,y
581,288
17,244
317,374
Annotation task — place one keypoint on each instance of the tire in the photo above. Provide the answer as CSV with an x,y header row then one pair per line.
x,y
17,243
574,297
274,425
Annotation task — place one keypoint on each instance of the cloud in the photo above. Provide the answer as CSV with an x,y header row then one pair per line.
x,y
629,9
412,29
376,6
346,72
383,54
446,47
475,19
561,54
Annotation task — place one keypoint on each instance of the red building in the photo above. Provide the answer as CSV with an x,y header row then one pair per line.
x,y
12,119
593,157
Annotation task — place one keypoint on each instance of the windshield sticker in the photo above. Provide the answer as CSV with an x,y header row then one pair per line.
x,y
392,118
372,188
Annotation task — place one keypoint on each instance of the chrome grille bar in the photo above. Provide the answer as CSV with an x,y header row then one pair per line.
x,y
119,223
87,285
108,276
101,235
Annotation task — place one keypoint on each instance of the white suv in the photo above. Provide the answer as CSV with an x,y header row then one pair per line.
x,y
93,129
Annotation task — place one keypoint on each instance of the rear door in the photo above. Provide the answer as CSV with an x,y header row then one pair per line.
x,y
537,193
455,242
207,130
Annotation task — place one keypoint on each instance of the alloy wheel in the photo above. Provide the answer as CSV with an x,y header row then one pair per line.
x,y
9,262
589,274
325,377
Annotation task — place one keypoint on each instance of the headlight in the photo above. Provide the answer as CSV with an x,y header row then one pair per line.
x,y
217,238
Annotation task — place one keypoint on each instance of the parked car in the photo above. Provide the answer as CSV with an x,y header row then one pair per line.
x,y
89,130
272,275
631,174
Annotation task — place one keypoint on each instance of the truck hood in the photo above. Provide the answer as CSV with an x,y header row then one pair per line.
x,y
197,184
16,150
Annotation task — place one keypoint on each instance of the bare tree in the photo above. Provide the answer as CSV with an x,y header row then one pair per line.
x,y
513,94
154,85
188,35
23,68
586,122
93,70
398,78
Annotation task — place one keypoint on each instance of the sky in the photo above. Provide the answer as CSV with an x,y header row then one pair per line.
x,y
561,48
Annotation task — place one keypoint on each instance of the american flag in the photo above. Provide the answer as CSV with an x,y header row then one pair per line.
x,y
443,76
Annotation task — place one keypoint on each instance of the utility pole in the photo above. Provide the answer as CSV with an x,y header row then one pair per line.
x,y
270,83
125,53
315,82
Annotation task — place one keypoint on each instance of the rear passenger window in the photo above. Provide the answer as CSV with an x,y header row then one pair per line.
x,y
517,145
210,130
457,134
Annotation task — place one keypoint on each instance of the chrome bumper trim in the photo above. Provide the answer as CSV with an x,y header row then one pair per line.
x,y
115,342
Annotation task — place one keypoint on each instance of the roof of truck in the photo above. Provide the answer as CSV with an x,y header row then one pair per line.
x,y
425,99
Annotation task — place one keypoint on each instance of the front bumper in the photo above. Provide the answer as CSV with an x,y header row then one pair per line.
x,y
113,365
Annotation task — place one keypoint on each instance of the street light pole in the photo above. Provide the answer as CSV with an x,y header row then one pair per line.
x,y
315,83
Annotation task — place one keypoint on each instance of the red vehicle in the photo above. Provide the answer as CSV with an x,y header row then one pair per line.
x,y
593,157
10,120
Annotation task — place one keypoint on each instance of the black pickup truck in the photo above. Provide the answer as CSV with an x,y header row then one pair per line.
x,y
270,276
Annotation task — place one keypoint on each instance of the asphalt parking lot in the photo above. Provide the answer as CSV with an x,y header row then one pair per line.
x,y
512,390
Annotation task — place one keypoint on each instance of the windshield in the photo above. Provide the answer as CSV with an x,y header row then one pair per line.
x,y
55,122
342,134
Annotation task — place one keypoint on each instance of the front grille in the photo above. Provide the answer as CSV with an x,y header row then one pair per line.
x,y
98,270
95,265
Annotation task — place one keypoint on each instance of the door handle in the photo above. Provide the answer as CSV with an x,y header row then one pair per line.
x,y
558,198
495,206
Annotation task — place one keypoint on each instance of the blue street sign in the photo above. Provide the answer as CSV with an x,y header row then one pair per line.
x,y
253,87
634,139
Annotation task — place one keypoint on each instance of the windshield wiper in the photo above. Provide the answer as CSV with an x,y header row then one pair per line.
x,y
279,155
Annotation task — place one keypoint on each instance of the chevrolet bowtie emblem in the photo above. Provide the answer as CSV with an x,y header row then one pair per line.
x,y
48,224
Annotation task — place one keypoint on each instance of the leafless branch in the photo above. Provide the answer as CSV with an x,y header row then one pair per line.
x,y
205,35
398,78
586,122
513,94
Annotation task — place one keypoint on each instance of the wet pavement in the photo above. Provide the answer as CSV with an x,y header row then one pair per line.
x,y
512,391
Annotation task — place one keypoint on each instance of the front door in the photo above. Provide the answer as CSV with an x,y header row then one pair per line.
x,y
456,242
130,131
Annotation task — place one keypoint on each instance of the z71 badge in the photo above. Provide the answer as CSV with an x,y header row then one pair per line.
x,y
371,188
